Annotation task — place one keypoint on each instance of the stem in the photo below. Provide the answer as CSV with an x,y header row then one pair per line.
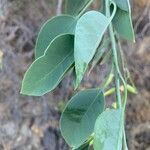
x,y
115,58
125,65
83,10
118,94
121,54
59,7
118,74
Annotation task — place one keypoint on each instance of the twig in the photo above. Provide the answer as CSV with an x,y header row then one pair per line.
x,y
45,6
59,7
145,29
141,17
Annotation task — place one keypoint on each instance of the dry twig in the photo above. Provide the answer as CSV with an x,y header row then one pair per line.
x,y
59,7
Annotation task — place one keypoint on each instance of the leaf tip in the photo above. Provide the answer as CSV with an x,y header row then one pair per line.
x,y
23,91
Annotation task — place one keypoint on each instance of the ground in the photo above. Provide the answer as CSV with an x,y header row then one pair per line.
x,y
29,123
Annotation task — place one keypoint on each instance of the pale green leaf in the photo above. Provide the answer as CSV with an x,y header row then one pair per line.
x,y
58,25
78,119
89,31
48,70
108,130
74,7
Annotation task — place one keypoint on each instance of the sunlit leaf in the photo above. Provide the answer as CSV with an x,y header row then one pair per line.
x,y
78,119
74,7
108,130
88,35
52,28
48,70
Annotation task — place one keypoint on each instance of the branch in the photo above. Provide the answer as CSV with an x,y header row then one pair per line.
x,y
59,7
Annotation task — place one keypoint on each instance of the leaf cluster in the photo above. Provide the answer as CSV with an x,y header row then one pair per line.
x,y
71,42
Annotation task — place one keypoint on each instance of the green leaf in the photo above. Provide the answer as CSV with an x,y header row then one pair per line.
x,y
109,130
78,119
74,7
122,21
48,70
88,35
122,4
63,24
123,25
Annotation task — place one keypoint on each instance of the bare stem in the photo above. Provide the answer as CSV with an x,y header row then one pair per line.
x,y
115,58
59,7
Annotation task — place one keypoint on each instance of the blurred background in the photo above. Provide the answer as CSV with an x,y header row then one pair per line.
x,y
29,123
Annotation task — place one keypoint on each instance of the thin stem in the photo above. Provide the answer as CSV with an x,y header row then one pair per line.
x,y
125,65
115,58
118,74
59,7
83,10
118,94
114,49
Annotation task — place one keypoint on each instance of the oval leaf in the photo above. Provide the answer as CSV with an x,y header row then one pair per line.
x,y
74,7
78,119
88,35
108,130
52,28
48,70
